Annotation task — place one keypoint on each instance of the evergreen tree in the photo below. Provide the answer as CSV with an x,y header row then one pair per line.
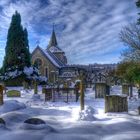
x,y
27,59
17,54
138,5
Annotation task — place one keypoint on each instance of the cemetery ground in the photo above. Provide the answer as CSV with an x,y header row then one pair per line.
x,y
62,121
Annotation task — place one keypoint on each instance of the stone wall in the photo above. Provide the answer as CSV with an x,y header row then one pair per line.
x,y
46,63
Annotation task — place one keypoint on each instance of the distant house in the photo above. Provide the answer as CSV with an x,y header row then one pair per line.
x,y
50,60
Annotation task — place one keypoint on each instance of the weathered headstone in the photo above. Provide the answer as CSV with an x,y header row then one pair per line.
x,y
13,93
125,89
1,94
116,103
48,94
101,89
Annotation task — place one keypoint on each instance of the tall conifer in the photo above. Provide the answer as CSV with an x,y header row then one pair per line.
x,y
17,54
138,5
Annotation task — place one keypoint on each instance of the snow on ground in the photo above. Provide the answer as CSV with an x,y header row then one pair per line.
x,y
88,114
11,105
62,119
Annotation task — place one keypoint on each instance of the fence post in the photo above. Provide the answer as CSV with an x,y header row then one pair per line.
x,y
82,96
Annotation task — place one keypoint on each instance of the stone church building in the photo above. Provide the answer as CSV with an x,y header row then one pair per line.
x,y
50,60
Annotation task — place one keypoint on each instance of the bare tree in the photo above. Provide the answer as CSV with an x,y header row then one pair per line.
x,y
130,36
131,54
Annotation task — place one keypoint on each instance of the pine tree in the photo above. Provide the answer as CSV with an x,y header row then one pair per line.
x,y
17,49
138,5
17,60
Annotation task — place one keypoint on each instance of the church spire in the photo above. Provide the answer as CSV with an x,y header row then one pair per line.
x,y
53,40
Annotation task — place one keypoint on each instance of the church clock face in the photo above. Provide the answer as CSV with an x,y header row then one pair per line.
x,y
38,63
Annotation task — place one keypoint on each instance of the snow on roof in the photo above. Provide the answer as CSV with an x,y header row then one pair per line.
x,y
56,59
52,58
53,49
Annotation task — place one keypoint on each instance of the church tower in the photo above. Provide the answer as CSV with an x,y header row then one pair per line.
x,y
55,50
53,40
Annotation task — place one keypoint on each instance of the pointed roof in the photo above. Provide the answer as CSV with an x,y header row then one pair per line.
x,y
53,45
53,59
53,40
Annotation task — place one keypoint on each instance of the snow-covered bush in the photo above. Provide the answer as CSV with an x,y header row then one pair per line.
x,y
26,74
28,71
42,79
11,105
88,114
15,116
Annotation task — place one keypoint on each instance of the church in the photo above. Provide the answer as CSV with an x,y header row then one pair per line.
x,y
51,60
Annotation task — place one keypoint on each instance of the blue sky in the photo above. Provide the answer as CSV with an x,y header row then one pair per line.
x,y
87,30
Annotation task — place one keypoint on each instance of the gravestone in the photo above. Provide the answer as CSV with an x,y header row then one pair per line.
x,y
125,89
13,93
116,103
48,93
101,89
1,94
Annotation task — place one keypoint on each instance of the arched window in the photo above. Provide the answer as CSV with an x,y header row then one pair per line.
x,y
38,63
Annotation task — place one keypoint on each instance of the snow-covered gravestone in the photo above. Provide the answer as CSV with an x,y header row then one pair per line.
x,y
101,89
1,95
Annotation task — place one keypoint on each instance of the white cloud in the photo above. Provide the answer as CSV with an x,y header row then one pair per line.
x,y
91,26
